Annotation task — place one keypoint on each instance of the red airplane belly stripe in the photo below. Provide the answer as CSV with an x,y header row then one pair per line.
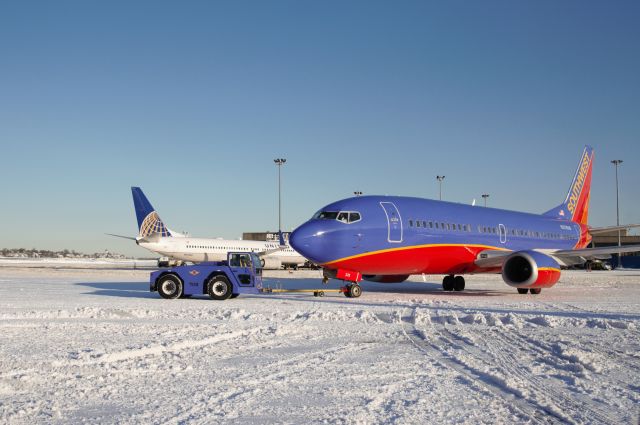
x,y
430,259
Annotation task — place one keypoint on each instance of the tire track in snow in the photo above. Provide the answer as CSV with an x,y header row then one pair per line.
x,y
577,408
279,372
435,351
571,407
134,353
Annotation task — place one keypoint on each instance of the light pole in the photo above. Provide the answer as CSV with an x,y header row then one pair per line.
x,y
485,196
357,193
440,178
617,162
279,162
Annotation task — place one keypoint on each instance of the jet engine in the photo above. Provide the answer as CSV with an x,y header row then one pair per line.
x,y
271,263
386,278
530,269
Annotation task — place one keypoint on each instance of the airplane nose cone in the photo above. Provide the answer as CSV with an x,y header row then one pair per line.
x,y
308,241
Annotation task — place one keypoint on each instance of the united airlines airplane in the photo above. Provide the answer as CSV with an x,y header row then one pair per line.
x,y
156,237
389,238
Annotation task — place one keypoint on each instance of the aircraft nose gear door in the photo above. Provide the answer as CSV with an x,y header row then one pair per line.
x,y
394,221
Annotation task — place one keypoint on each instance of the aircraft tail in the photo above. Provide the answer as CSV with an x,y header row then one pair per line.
x,y
149,222
576,206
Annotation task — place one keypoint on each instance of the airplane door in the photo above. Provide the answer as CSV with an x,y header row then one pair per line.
x,y
503,233
394,222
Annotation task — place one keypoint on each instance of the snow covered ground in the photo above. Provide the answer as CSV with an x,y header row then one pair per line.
x,y
95,346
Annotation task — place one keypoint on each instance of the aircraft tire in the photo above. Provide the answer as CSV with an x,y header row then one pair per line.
x,y
535,291
169,286
355,291
458,283
522,290
219,288
447,283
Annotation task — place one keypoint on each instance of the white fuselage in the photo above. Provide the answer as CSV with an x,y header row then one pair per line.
x,y
200,249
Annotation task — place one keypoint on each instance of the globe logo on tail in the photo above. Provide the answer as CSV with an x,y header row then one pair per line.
x,y
152,224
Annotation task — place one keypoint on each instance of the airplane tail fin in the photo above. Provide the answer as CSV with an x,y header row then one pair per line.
x,y
149,222
576,206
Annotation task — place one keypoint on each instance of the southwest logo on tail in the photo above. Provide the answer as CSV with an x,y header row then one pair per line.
x,y
389,238
576,205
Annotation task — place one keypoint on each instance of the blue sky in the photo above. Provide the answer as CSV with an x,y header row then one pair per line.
x,y
192,101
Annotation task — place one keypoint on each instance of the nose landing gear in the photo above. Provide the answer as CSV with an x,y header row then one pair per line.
x,y
352,291
453,283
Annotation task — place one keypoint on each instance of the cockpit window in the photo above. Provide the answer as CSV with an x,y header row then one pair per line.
x,y
341,216
326,215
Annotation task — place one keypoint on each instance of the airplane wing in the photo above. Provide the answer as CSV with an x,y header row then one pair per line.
x,y
120,236
596,252
491,258
598,230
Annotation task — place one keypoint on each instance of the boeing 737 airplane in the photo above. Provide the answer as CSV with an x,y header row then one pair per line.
x,y
389,238
156,237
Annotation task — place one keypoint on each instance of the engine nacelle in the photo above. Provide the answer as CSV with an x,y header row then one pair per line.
x,y
386,278
530,269
271,263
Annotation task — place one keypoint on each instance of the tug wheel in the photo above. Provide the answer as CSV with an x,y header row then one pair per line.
x,y
169,286
522,290
535,291
219,288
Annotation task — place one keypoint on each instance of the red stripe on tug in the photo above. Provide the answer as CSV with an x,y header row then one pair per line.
x,y
427,259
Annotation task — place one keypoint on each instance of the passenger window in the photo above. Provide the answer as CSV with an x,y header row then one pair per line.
x,y
431,224
417,223
410,223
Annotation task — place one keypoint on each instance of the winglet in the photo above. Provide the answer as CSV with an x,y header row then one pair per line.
x,y
576,205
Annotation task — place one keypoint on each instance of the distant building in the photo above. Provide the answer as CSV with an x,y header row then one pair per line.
x,y
611,239
630,259
265,236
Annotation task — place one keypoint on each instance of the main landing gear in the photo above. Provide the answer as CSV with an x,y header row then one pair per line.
x,y
453,283
534,291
